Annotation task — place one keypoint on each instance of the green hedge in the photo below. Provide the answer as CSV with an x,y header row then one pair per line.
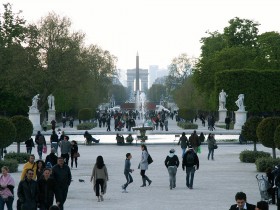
x,y
248,156
86,126
187,125
85,114
11,164
19,157
263,163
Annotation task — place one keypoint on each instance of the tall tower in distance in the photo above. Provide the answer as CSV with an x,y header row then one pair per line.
x,y
137,72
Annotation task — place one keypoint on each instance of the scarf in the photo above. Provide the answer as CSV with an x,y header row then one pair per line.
x,y
4,182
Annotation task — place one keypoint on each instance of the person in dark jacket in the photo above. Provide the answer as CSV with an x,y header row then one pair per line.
x,y
191,162
29,144
51,158
40,168
172,162
74,152
47,189
184,143
241,202
54,141
89,138
28,192
40,141
62,176
194,141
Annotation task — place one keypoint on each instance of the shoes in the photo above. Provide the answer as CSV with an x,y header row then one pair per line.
x,y
124,191
123,187
98,200
150,182
170,187
191,188
143,185
101,197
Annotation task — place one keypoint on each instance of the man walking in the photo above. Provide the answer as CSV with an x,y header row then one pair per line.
x,y
191,162
241,202
29,165
184,143
65,147
172,162
194,141
62,175
28,192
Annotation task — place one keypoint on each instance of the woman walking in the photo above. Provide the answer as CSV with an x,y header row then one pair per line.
x,y
99,177
7,185
211,143
172,162
40,168
143,165
74,153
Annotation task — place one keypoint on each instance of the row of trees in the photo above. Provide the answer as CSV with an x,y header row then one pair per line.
x,y
195,84
47,57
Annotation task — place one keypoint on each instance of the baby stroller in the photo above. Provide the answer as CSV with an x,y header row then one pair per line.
x,y
264,185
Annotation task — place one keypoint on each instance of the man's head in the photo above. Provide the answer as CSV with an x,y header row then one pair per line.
x,y
240,199
47,173
262,205
183,134
29,174
128,156
66,138
60,161
31,158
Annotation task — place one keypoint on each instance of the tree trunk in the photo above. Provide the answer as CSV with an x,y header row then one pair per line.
x,y
255,146
274,153
18,147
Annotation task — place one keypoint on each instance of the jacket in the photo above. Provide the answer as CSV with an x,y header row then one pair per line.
x,y
186,163
99,174
28,194
171,160
144,160
184,142
248,205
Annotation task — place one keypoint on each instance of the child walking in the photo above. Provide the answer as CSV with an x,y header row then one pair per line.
x,y
127,172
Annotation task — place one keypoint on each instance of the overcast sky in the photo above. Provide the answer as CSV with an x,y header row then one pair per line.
x,y
158,29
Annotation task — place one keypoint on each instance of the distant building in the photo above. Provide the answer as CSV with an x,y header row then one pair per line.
x,y
152,74
131,79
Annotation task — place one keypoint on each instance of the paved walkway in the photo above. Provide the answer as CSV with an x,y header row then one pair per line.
x,y
215,183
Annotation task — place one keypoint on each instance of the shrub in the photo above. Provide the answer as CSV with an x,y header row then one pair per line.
x,y
7,132
85,114
263,163
187,114
19,157
248,156
11,164
187,125
86,126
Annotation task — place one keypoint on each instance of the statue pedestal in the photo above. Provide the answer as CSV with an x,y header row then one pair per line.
x,y
51,115
222,116
34,117
240,119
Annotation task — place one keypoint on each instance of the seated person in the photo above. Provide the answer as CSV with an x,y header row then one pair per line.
x,y
129,138
120,139
89,138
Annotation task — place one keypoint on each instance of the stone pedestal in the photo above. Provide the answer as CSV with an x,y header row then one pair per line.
x,y
240,119
51,115
222,116
34,117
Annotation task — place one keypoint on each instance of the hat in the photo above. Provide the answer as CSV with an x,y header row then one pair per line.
x,y
172,151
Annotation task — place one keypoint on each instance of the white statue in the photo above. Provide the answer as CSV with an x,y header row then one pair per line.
x,y
35,100
240,102
222,100
51,102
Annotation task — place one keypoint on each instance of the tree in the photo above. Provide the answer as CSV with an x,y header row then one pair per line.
x,y
24,129
265,132
7,133
249,130
179,69
156,92
119,92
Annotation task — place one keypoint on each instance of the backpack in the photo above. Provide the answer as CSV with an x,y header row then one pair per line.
x,y
190,158
150,159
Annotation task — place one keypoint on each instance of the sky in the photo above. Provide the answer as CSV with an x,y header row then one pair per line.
x,y
158,30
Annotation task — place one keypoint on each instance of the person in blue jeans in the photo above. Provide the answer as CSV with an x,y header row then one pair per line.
x,y
127,171
191,163
7,185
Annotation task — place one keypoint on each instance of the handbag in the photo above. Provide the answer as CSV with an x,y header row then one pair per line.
x,y
77,154
150,159
45,149
215,146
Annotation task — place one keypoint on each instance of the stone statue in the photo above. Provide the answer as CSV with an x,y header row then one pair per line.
x,y
51,102
240,102
35,100
222,100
